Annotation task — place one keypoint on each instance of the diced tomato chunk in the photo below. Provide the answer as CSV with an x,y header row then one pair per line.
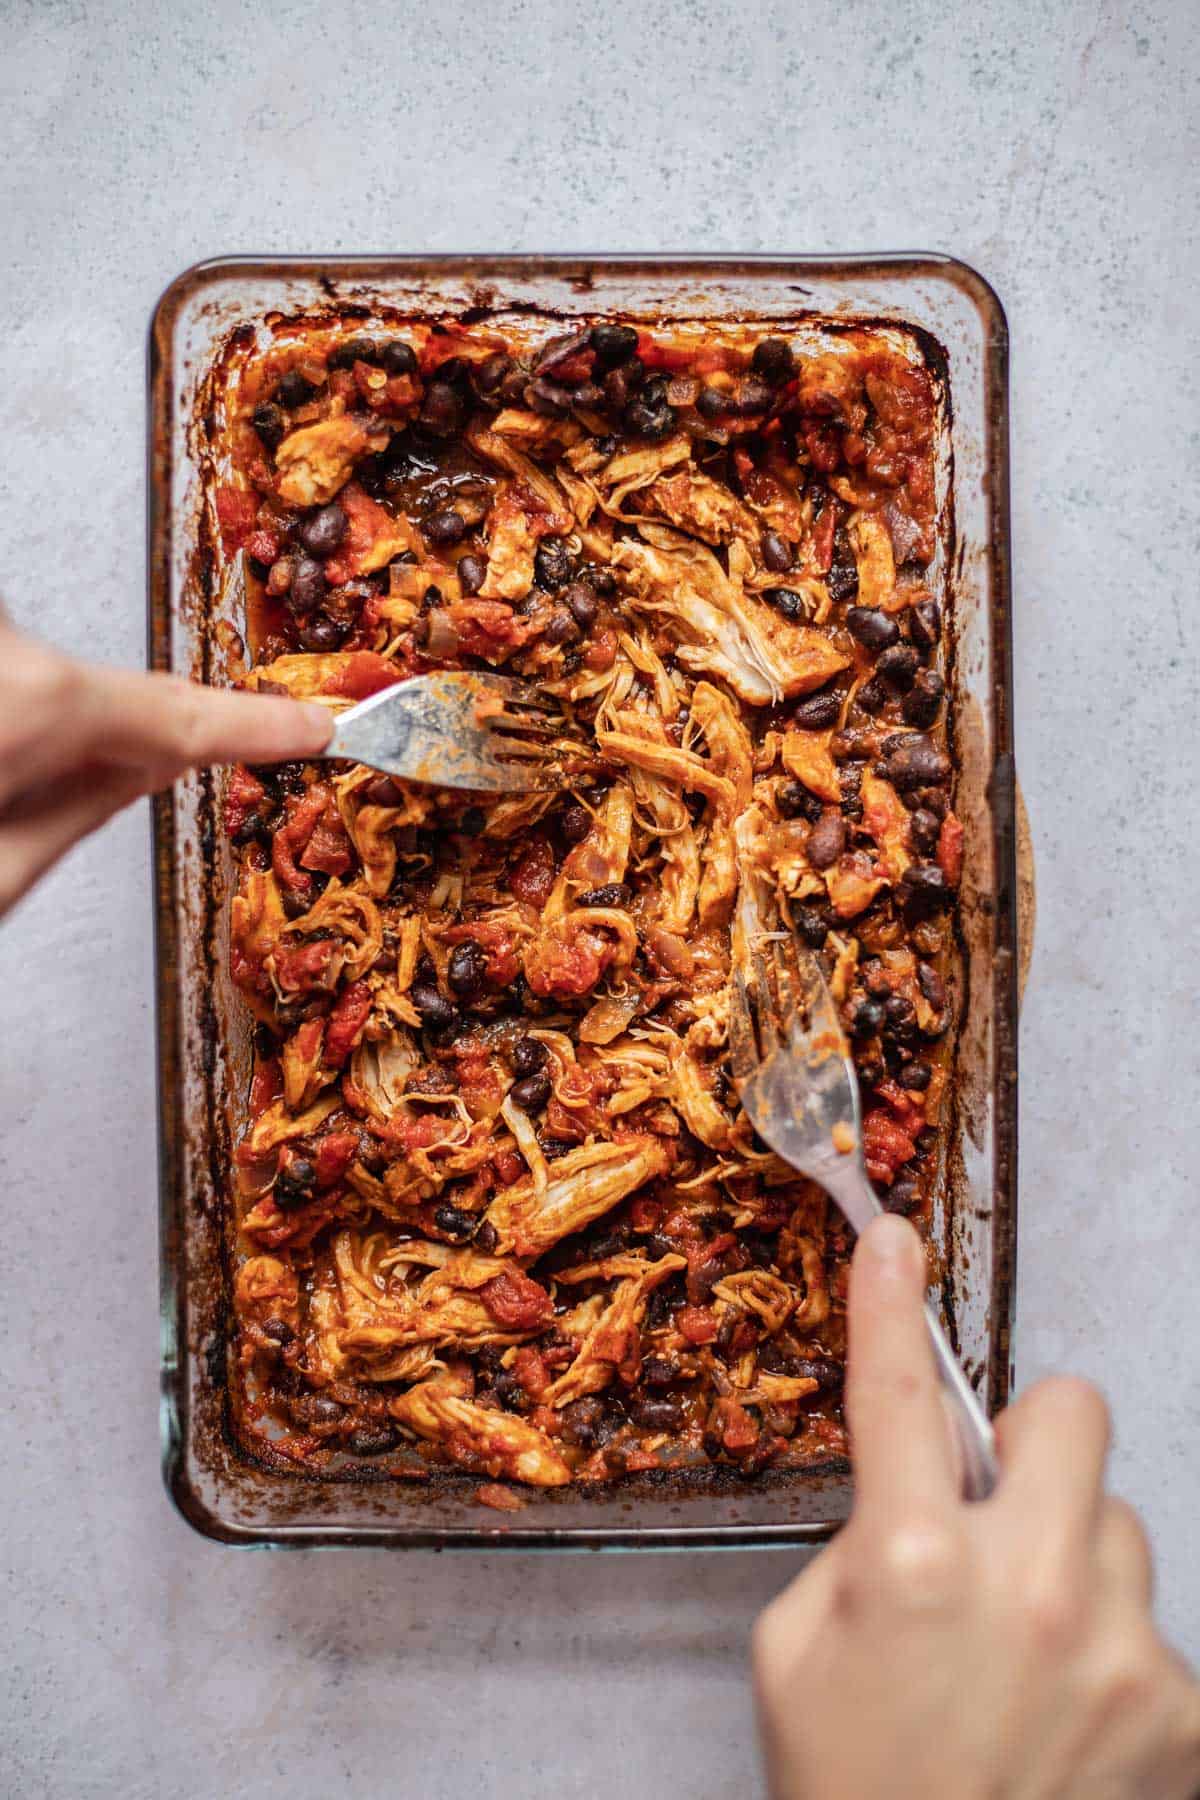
x,y
335,1153
363,673
243,796
303,966
531,1371
698,1324
887,1146
346,1023
950,849
263,546
237,514
328,848
532,876
515,1302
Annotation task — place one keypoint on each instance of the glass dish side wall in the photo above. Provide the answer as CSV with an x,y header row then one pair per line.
x,y
202,1051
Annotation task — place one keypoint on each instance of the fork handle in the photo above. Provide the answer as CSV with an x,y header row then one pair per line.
x,y
976,1439
848,1184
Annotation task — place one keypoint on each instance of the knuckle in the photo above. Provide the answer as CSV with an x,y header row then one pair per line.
x,y
1078,1400
1054,1609
1130,1675
922,1563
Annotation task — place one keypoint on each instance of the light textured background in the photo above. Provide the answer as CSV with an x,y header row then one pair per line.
x,y
1054,148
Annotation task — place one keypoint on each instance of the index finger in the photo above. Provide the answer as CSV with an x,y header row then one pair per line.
x,y
167,724
900,1443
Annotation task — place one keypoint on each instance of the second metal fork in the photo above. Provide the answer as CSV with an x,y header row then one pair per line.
x,y
793,1072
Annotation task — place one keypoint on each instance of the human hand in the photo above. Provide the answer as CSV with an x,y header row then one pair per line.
x,y
78,742
1002,1649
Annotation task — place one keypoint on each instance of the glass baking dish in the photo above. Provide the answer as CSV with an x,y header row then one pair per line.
x,y
206,315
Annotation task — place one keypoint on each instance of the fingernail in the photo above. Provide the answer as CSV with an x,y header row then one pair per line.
x,y
891,1239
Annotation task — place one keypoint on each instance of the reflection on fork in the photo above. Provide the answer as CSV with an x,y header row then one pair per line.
x,y
459,729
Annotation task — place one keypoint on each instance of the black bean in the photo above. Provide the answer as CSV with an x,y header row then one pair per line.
x,y
872,627
645,417
827,1374
898,666
773,360
916,1075
827,840
787,601
472,573
582,602
279,1332
904,1195
456,1222
293,390
529,1055
872,697
438,1013
818,712
490,375
921,706
371,1440
442,410
398,358
711,402
575,824
659,1371
531,1092
870,1067
548,398
466,972
656,1414
923,891
324,530
444,527
613,893
912,761
308,586
874,979
613,343
842,581
294,1184
932,986
316,1409
621,384
925,623
560,627
473,821
356,349
923,828
580,1421
776,552
553,565
811,926
487,1237
599,579
270,425
866,1019
320,634
794,801
753,397
900,1017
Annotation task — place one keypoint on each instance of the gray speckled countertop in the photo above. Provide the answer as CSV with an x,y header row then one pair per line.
x,y
1058,157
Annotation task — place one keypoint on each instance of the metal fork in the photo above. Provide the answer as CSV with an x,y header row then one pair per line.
x,y
792,1069
455,728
